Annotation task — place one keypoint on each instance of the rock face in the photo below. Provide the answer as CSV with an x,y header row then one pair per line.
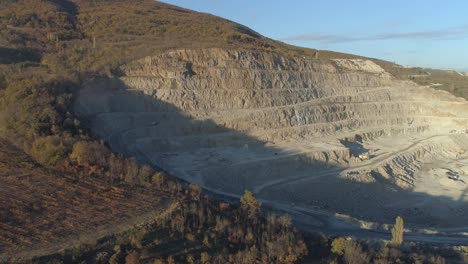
x,y
340,135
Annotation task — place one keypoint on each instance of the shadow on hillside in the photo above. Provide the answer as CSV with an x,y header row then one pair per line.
x,y
67,6
168,138
12,56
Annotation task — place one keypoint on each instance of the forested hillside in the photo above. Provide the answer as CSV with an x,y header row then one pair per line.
x,y
48,49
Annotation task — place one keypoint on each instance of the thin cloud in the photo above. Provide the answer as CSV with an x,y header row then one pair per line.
x,y
448,33
320,37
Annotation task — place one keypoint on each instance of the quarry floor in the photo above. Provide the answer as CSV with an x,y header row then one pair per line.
x,y
324,198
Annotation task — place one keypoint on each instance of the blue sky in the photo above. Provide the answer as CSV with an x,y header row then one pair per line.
x,y
419,33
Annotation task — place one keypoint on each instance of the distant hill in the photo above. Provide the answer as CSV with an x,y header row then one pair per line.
x,y
92,37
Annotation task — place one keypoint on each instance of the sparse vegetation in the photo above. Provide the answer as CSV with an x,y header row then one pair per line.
x,y
450,81
198,231
347,250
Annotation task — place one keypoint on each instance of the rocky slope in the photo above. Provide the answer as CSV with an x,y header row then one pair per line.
x,y
339,135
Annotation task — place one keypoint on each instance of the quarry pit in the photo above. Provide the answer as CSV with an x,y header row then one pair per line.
x,y
341,137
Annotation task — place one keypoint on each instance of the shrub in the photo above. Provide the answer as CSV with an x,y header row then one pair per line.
x,y
338,246
117,257
132,258
49,150
131,171
250,205
170,260
190,259
351,251
158,179
353,254
205,257
195,191
90,154
145,174
159,261
436,260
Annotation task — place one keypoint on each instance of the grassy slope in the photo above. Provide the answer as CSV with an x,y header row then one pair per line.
x,y
151,28
93,37
49,210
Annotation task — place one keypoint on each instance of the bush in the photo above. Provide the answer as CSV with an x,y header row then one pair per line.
x,y
351,251
90,154
250,205
158,179
145,174
338,246
353,254
205,257
49,150
132,258
195,191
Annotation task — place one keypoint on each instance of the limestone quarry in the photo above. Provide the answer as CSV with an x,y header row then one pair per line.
x,y
339,137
